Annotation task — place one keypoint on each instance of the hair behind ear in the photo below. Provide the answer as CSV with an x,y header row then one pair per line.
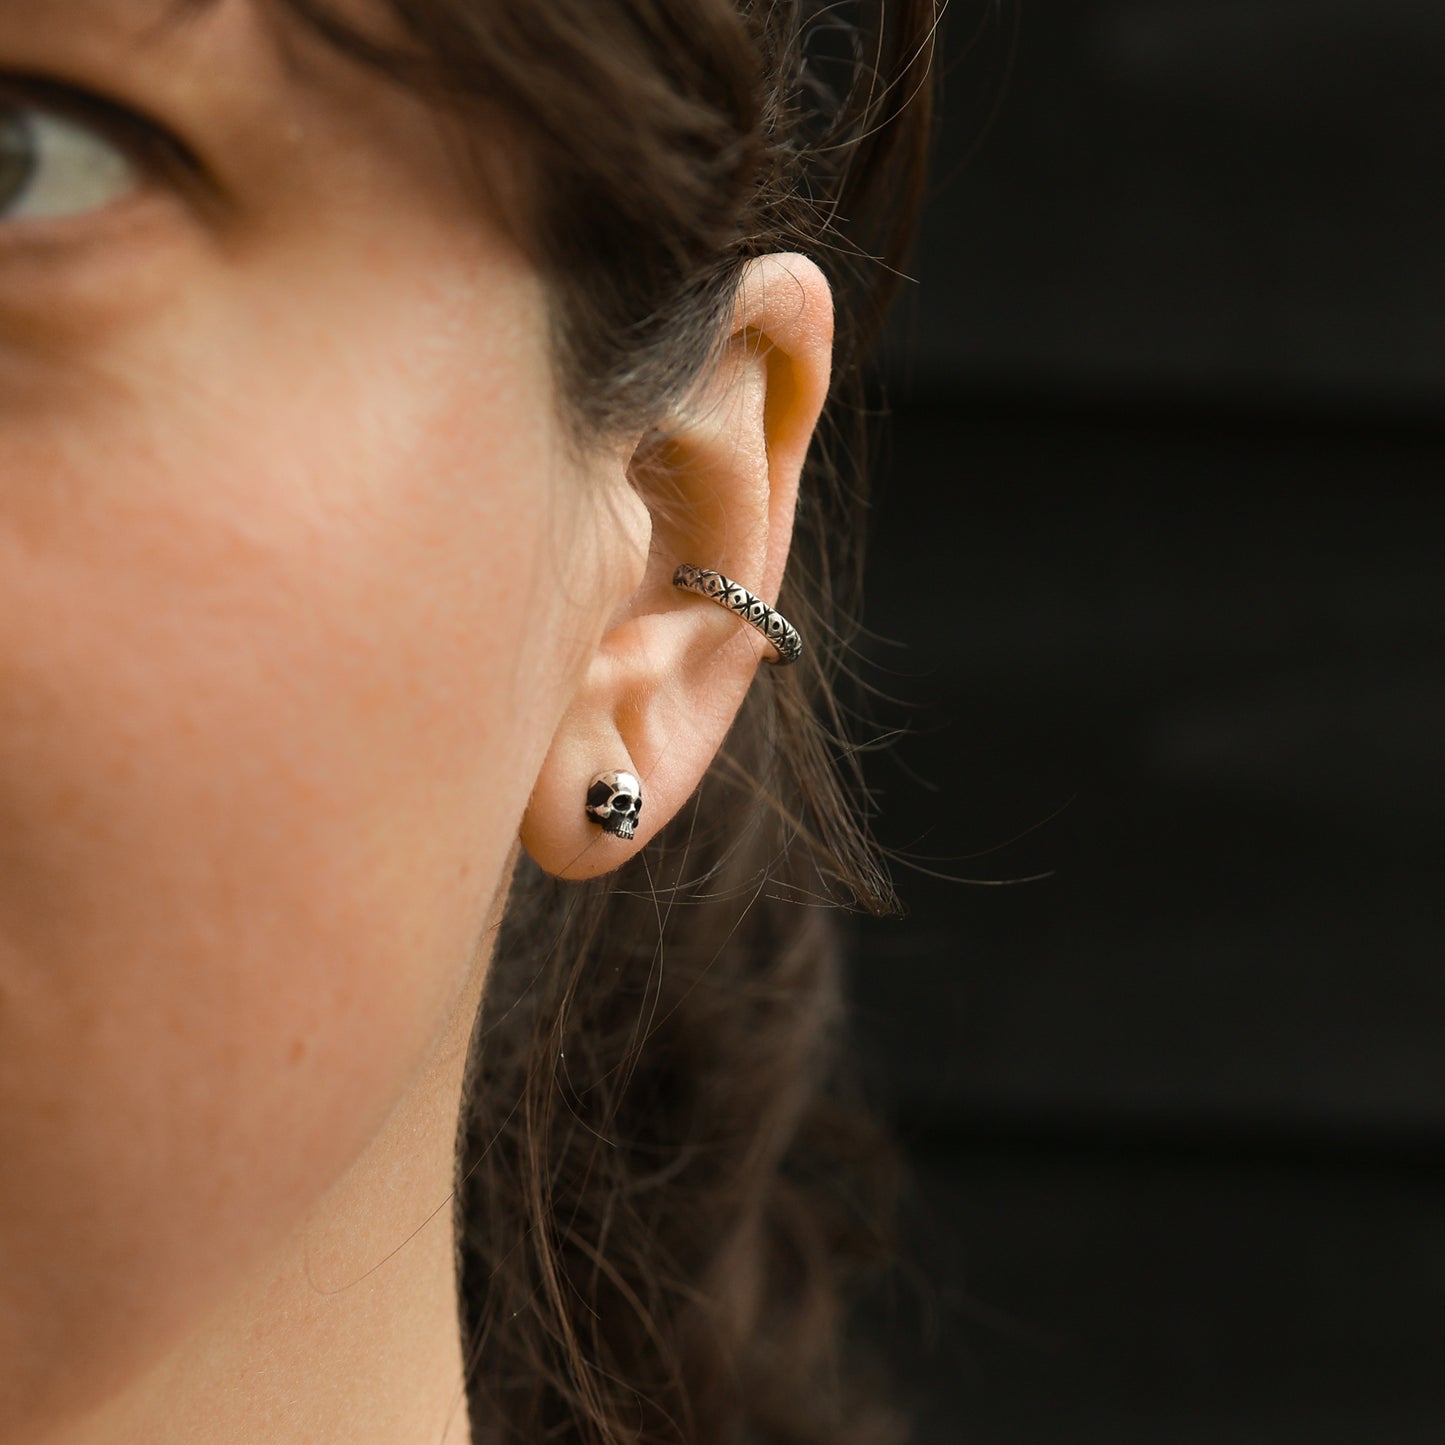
x,y
667,1185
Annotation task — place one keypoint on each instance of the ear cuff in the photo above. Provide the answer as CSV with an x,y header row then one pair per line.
x,y
774,627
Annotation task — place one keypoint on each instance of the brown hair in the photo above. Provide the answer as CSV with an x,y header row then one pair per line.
x,y
661,1182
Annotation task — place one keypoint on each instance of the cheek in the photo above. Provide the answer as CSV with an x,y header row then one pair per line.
x,y
270,700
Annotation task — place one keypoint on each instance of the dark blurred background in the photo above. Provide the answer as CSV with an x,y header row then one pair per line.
x,y
1158,575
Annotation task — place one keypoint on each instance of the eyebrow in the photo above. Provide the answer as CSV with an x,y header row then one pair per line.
x,y
176,15
319,21
113,24
119,21
151,52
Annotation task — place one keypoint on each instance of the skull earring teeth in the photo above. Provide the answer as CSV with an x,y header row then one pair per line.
x,y
615,802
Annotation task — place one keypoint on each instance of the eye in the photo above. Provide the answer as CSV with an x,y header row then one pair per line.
x,y
52,167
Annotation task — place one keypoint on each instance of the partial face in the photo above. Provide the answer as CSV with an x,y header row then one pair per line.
x,y
283,512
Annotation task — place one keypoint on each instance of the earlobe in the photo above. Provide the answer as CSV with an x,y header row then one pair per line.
x,y
666,681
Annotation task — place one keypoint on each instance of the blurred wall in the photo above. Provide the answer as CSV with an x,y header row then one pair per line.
x,y
1159,577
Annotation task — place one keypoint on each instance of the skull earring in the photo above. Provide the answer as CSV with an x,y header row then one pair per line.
x,y
615,801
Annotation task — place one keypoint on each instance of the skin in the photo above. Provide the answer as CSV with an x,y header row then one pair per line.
x,y
309,623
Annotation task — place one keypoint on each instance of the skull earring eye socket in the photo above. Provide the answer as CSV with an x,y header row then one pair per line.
x,y
623,803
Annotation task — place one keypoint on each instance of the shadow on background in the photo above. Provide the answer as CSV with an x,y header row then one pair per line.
x,y
1157,567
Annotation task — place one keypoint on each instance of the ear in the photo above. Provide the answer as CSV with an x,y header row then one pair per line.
x,y
661,689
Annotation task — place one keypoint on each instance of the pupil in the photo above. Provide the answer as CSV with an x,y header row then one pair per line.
x,y
17,157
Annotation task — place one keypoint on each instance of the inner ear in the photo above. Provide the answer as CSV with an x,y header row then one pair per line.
x,y
704,476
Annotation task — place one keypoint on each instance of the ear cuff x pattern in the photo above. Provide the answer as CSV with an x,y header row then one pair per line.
x,y
614,798
775,628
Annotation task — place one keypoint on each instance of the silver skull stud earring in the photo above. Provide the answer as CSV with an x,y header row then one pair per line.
x,y
615,801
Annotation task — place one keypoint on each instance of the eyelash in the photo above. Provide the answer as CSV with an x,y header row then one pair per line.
x,y
145,142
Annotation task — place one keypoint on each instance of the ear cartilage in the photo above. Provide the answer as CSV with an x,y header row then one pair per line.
x,y
752,609
615,801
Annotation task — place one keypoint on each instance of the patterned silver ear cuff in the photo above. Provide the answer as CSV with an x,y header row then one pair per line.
x,y
726,593
615,801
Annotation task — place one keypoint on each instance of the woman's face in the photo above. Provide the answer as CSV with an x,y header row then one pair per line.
x,y
283,519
